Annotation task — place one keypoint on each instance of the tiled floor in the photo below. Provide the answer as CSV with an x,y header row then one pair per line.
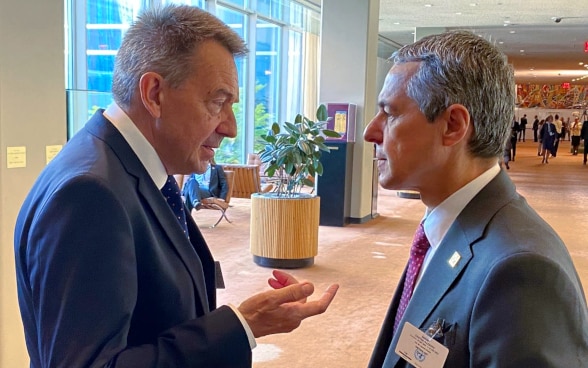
x,y
367,260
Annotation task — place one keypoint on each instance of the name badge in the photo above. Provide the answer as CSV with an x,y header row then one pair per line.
x,y
419,349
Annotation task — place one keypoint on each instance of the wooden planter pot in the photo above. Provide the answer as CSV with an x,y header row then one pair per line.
x,y
284,231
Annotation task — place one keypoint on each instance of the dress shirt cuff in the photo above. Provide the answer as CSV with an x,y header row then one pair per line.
x,y
252,342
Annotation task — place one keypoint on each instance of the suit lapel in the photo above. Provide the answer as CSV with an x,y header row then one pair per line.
x,y
104,130
452,256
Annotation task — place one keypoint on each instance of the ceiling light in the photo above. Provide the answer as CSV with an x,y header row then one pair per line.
x,y
512,32
457,13
473,4
501,42
580,63
396,23
428,5
522,50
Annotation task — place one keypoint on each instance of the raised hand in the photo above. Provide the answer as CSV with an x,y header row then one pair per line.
x,y
283,309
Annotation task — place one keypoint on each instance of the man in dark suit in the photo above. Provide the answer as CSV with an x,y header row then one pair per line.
x,y
106,274
535,129
489,282
211,183
523,128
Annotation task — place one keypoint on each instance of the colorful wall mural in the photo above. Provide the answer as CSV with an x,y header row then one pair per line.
x,y
565,96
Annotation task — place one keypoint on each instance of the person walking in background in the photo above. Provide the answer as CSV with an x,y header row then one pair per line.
x,y
575,131
487,277
558,133
523,128
540,145
548,139
535,128
110,270
584,136
515,129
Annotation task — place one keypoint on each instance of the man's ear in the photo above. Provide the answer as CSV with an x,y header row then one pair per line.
x,y
458,124
150,87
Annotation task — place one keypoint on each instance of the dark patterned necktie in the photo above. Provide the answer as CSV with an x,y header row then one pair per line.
x,y
171,192
420,246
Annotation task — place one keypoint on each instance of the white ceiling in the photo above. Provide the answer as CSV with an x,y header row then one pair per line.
x,y
552,51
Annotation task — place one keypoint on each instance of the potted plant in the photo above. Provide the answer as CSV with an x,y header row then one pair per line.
x,y
284,222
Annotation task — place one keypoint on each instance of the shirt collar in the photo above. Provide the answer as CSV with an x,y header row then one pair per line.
x,y
438,220
139,144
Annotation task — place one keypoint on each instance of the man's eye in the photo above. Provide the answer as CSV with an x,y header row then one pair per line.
x,y
216,106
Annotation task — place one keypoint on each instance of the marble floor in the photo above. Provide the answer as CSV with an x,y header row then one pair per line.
x,y
367,260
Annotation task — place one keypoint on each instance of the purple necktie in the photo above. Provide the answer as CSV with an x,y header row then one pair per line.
x,y
171,192
420,246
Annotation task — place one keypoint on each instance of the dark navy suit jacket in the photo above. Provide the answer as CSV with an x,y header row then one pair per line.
x,y
513,299
106,276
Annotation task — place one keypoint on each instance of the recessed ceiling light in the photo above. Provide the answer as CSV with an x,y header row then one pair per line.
x,y
522,50
428,5
473,4
501,42
457,13
397,23
512,32
581,63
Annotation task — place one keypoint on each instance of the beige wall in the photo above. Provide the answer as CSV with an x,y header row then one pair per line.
x,y
32,114
349,43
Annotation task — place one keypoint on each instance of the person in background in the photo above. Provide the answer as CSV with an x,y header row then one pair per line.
x,y
558,136
523,128
548,139
211,183
487,278
575,131
540,145
584,136
535,129
110,270
515,129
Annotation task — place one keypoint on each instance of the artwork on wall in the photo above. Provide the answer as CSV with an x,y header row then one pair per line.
x,y
565,96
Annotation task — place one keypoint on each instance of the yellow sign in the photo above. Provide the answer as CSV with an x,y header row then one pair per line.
x,y
52,151
341,122
16,157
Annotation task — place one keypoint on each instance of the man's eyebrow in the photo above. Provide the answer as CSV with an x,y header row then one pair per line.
x,y
222,92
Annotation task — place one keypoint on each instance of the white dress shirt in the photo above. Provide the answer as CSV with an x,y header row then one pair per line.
x,y
438,220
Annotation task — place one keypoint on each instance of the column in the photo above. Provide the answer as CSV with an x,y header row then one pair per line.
x,y
349,41
32,97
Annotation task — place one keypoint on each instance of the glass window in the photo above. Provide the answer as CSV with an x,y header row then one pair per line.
x,y
267,77
293,76
239,3
272,8
197,3
276,81
233,150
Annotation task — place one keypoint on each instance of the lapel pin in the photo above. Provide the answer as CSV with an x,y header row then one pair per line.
x,y
454,259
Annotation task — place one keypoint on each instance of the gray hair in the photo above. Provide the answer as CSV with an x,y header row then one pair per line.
x,y
163,40
458,67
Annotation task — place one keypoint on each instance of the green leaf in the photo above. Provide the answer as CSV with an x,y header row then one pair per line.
x,y
321,113
275,128
331,133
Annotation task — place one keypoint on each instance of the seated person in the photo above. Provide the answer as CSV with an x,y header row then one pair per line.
x,y
199,187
